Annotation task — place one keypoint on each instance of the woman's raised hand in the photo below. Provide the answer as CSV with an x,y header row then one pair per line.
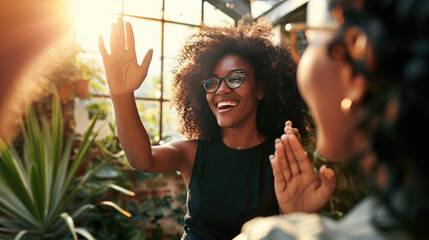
x,y
124,74
298,188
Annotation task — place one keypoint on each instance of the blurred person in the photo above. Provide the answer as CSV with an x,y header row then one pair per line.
x,y
364,76
233,90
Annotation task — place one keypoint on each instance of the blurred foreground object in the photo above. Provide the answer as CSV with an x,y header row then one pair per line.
x,y
26,30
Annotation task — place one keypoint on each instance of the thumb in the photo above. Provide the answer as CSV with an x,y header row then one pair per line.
x,y
146,61
329,181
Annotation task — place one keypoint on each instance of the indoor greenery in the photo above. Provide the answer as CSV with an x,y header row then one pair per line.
x,y
71,68
38,185
148,210
93,107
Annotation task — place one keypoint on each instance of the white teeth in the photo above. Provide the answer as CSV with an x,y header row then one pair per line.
x,y
226,103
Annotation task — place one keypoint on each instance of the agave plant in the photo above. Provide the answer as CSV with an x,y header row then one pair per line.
x,y
38,190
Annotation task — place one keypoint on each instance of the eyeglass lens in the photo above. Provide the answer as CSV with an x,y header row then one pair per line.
x,y
232,80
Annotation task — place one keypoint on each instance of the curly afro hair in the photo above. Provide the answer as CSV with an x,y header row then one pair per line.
x,y
273,67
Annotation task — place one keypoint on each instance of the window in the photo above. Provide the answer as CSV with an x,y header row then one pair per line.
x,y
162,25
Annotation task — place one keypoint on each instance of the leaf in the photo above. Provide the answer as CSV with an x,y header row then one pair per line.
x,y
80,210
85,233
115,206
20,234
13,180
107,172
11,205
70,223
122,190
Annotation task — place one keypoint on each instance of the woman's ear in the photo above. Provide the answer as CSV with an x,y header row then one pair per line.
x,y
358,47
260,93
356,42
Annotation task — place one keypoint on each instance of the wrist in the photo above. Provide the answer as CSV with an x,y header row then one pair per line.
x,y
121,95
123,99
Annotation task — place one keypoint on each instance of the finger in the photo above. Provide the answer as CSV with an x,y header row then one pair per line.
x,y
279,181
102,48
130,43
114,38
328,178
299,153
121,33
287,128
146,61
288,123
280,155
293,162
296,133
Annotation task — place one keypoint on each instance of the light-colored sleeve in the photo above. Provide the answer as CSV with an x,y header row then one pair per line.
x,y
291,226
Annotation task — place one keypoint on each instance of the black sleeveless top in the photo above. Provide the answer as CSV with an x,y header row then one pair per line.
x,y
227,188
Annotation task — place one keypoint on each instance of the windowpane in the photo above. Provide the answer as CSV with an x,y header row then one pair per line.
x,y
84,110
87,32
144,8
93,60
170,123
175,36
261,6
149,112
147,35
169,64
184,11
213,16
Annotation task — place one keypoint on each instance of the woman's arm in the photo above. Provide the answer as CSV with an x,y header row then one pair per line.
x,y
124,76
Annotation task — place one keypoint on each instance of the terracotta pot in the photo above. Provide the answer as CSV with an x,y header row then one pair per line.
x,y
81,88
64,93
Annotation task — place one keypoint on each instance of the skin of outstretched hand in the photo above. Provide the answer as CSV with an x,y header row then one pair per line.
x,y
124,75
298,188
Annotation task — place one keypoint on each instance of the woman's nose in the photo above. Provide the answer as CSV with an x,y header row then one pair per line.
x,y
223,87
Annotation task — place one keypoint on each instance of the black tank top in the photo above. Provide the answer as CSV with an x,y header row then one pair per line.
x,y
227,188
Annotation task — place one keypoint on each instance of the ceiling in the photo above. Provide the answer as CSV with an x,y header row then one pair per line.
x,y
277,11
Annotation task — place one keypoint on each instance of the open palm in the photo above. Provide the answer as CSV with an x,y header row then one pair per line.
x,y
298,188
123,73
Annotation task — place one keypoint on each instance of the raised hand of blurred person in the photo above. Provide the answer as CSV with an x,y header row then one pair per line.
x,y
298,188
124,74
295,131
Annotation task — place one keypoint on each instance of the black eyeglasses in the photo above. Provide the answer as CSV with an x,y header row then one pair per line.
x,y
233,80
298,38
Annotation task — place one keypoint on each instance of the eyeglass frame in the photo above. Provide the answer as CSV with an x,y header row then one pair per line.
x,y
292,28
244,74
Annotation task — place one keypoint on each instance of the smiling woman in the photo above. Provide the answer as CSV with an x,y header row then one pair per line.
x,y
248,93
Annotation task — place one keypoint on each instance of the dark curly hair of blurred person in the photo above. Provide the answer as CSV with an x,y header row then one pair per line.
x,y
398,103
273,67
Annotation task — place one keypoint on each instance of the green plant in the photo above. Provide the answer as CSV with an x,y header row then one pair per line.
x,y
93,107
145,222
71,69
349,190
39,189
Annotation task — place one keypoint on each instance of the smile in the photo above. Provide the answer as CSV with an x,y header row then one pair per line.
x,y
223,105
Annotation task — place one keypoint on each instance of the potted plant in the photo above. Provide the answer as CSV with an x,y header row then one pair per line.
x,y
73,77
38,185
84,78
